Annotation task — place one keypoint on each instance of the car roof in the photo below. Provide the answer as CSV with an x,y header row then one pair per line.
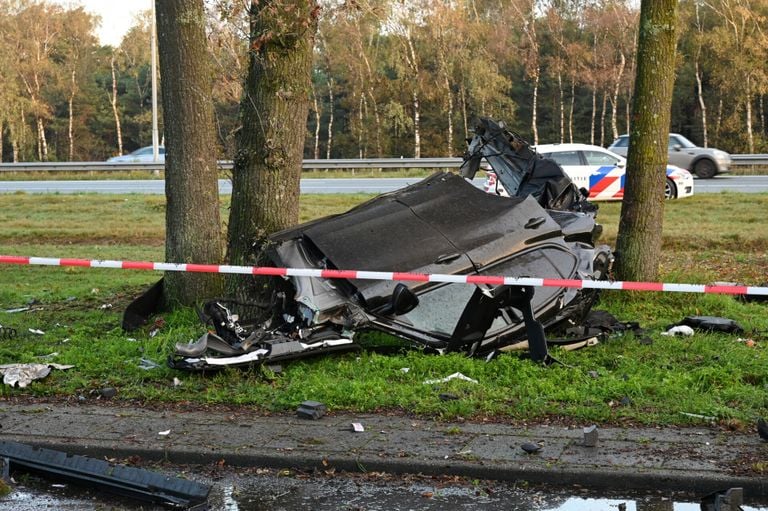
x,y
549,148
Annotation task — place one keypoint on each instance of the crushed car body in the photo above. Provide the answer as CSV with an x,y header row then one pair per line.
x,y
440,225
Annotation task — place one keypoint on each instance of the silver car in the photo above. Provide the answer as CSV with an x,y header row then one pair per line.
x,y
704,162
143,155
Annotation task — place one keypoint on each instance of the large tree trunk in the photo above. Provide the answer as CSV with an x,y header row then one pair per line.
x,y
638,246
192,219
274,110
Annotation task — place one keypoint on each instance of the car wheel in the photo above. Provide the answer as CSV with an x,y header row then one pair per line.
x,y
670,190
705,169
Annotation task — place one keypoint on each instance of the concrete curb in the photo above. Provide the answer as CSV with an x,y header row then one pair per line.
x,y
688,459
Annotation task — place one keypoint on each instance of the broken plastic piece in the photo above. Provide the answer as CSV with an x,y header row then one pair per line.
x,y
679,330
311,410
530,447
357,427
24,374
129,481
456,376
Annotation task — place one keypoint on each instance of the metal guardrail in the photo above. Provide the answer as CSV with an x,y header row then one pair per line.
x,y
351,163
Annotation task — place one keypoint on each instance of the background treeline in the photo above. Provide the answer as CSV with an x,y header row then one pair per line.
x,y
395,78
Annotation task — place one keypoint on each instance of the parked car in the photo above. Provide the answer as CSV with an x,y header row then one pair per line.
x,y
601,172
143,155
440,225
704,162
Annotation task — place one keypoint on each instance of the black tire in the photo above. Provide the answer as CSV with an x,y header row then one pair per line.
x,y
670,190
705,169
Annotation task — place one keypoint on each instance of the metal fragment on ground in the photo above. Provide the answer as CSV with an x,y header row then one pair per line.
x,y
311,410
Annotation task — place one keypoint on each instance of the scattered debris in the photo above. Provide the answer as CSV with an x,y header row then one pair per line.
x,y
448,397
590,436
119,479
106,306
698,416
24,374
531,448
177,382
357,427
311,410
729,500
108,392
36,331
19,309
750,343
405,369
762,429
7,332
594,374
454,376
159,323
710,324
148,364
682,330
164,433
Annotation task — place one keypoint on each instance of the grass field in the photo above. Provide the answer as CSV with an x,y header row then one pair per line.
x,y
713,237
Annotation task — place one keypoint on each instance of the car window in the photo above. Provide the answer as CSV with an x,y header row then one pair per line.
x,y
564,157
680,140
621,142
600,158
142,151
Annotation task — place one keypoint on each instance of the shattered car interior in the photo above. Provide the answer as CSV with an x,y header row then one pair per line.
x,y
440,225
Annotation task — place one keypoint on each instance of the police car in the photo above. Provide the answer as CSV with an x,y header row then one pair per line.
x,y
599,171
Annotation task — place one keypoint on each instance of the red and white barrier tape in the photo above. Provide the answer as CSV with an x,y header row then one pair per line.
x,y
395,276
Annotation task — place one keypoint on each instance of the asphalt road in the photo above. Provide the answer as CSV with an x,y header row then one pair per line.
x,y
746,184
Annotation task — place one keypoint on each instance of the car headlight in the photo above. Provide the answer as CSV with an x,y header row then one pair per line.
x,y
721,155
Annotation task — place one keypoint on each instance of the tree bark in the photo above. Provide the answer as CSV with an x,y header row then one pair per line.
x,y
70,136
192,219
316,109
274,110
113,102
638,246
331,108
615,99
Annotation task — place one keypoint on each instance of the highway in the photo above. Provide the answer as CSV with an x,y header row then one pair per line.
x,y
745,184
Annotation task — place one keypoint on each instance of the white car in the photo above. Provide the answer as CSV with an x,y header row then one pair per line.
x,y
601,172
143,155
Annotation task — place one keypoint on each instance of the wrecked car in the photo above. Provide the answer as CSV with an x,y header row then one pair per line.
x,y
440,225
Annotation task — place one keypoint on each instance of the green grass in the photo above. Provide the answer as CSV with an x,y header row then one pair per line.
x,y
80,311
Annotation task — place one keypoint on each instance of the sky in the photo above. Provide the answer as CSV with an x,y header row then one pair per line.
x,y
116,16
